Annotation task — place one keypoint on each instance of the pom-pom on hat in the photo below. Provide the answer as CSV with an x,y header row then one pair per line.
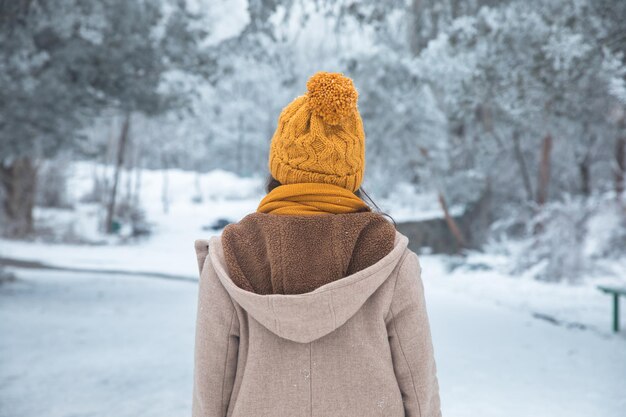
x,y
319,137
331,96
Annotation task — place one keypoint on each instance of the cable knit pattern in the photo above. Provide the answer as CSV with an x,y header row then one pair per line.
x,y
320,137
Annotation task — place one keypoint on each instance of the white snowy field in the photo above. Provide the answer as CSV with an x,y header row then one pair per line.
x,y
95,345
77,344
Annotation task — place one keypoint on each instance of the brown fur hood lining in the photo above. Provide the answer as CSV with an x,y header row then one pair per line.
x,y
277,254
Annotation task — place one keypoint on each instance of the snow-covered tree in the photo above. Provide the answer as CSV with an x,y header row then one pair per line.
x,y
63,63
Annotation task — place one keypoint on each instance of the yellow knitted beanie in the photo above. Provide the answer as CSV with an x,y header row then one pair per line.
x,y
320,135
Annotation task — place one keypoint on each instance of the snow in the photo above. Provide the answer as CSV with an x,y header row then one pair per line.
x,y
494,361
101,345
484,278
95,345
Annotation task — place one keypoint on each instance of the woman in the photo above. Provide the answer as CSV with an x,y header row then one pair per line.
x,y
313,305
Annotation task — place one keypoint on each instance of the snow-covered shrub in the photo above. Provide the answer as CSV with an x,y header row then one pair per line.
x,y
554,250
610,240
617,241
97,193
52,190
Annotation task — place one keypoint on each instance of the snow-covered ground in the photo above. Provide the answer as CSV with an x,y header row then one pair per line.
x,y
494,361
77,344
95,345
87,344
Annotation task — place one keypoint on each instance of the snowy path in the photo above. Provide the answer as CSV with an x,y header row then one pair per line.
x,y
93,345
494,361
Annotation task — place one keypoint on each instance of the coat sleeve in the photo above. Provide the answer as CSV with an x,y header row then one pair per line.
x,y
410,343
216,344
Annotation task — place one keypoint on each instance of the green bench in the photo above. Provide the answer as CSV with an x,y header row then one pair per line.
x,y
616,293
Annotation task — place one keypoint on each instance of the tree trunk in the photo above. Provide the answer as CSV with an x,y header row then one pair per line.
x,y
584,170
129,163
544,170
454,228
620,166
118,167
519,156
19,183
544,178
414,28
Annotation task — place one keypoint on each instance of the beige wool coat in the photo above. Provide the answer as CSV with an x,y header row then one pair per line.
x,y
357,344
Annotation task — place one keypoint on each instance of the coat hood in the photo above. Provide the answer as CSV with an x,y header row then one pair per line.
x,y
311,315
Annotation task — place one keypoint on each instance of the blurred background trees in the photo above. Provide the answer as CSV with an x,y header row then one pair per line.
x,y
520,101
64,64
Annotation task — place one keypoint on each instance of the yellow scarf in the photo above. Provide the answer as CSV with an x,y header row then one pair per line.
x,y
311,198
